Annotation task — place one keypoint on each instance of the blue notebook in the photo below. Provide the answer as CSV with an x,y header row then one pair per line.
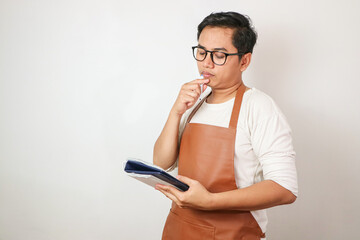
x,y
151,175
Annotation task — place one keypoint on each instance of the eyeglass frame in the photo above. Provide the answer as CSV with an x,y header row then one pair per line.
x,y
212,55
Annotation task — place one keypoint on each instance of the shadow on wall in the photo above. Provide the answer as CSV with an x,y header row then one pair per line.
x,y
276,62
328,176
326,138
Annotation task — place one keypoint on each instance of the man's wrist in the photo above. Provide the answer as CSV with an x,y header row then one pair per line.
x,y
212,202
174,113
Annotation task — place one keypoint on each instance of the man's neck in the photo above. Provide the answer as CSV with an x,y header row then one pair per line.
x,y
223,95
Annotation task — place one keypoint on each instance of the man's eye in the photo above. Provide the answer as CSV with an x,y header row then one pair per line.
x,y
201,53
219,55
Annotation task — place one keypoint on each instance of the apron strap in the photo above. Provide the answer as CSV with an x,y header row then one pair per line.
x,y
237,105
195,109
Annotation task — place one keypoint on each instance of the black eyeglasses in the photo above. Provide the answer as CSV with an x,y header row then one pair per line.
x,y
217,57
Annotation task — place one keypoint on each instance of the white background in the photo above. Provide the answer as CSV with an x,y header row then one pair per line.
x,y
85,84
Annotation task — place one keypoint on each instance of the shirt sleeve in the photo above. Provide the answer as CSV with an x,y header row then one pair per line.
x,y
182,125
272,143
181,130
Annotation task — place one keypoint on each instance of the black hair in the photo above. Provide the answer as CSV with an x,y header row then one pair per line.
x,y
244,36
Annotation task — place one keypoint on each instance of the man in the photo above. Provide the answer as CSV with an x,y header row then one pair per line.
x,y
235,149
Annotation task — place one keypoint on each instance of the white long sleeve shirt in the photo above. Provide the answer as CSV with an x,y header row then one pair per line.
x,y
263,145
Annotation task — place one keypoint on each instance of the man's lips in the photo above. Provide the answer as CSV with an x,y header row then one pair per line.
x,y
207,74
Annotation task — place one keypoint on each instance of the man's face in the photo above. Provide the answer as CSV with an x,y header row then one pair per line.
x,y
219,39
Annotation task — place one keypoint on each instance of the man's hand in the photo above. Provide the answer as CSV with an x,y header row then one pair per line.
x,y
264,194
195,197
188,95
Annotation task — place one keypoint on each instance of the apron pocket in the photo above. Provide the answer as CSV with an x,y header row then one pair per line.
x,y
177,228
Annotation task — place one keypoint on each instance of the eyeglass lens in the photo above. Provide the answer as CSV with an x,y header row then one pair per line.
x,y
218,58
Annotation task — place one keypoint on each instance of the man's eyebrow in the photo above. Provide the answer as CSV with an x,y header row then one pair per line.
x,y
223,49
215,49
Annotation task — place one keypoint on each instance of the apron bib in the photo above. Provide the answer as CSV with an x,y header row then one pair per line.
x,y
207,155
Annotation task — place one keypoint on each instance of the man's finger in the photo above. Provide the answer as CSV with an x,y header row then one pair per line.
x,y
193,94
184,179
200,81
204,87
173,191
193,87
167,192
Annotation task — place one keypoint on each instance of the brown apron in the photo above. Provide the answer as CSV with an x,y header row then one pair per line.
x,y
207,155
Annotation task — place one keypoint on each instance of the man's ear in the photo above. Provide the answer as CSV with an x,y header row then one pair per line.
x,y
245,61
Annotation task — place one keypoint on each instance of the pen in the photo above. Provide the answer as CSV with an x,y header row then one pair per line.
x,y
201,87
